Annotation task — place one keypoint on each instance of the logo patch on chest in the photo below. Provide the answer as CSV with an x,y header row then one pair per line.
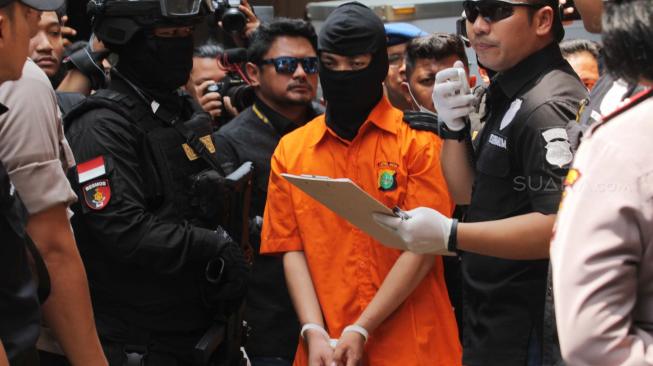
x,y
97,194
387,180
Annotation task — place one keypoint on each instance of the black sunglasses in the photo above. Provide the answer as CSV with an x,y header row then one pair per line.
x,y
493,11
288,65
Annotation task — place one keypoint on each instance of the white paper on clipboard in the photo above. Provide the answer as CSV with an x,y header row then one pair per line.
x,y
345,198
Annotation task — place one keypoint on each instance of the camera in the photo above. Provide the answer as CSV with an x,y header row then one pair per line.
x,y
233,20
234,87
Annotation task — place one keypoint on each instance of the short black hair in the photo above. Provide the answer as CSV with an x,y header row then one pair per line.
x,y
61,12
573,46
266,34
628,39
435,46
208,50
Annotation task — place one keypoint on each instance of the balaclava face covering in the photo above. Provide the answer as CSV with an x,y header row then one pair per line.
x,y
352,29
160,65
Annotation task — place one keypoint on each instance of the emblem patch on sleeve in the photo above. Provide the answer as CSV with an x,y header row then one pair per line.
x,y
558,148
97,194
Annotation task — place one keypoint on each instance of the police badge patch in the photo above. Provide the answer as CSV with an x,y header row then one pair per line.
x,y
97,194
558,148
387,180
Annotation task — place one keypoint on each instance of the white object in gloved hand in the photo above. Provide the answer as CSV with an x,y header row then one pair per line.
x,y
452,97
426,231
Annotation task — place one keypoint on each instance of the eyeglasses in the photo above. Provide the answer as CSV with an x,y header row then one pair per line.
x,y
493,11
288,65
395,59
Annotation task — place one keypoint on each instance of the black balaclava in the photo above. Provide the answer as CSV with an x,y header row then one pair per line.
x,y
352,29
160,65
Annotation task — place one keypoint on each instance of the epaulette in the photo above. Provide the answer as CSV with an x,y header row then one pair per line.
x,y
632,102
422,121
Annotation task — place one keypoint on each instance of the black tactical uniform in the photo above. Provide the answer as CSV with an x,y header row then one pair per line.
x,y
19,305
160,269
269,312
523,155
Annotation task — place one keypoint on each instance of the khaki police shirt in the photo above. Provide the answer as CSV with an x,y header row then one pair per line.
x,y
602,251
32,143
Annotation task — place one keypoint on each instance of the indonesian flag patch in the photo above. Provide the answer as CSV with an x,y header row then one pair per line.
x,y
91,169
97,194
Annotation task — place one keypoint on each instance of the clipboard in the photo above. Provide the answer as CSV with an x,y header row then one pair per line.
x,y
349,201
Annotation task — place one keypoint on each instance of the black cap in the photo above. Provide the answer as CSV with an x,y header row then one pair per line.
x,y
42,5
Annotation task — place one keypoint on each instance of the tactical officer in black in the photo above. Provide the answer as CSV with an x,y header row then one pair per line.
x,y
19,305
161,271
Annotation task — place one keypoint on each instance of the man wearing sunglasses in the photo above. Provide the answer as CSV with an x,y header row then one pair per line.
x,y
283,69
383,306
514,184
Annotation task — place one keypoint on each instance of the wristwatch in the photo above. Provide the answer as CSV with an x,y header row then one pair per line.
x,y
452,244
445,133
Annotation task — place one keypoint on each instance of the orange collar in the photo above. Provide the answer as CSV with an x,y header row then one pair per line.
x,y
381,117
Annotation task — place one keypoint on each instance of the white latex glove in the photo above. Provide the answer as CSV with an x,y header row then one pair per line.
x,y
426,231
452,98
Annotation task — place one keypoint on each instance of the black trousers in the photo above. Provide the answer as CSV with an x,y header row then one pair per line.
x,y
28,357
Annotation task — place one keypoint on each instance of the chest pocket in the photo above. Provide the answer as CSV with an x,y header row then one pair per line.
x,y
494,159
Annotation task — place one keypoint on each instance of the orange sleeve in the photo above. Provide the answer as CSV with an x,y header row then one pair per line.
x,y
426,183
280,232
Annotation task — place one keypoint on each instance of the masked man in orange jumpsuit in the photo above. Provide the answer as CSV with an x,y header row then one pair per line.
x,y
360,303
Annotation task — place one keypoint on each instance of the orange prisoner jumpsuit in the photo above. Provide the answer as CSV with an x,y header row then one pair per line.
x,y
397,165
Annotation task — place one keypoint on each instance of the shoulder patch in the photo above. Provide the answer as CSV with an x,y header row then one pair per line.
x,y
97,194
558,148
91,169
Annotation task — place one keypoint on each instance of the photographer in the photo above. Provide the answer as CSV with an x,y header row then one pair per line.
x,y
283,72
163,274
206,73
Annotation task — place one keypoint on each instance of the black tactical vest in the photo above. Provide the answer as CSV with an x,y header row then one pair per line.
x,y
171,167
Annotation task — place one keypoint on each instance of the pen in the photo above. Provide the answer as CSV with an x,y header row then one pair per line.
x,y
400,213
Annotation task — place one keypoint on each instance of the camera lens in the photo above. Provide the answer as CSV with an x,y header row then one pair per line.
x,y
233,20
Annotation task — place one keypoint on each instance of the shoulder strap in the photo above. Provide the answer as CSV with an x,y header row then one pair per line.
x,y
107,99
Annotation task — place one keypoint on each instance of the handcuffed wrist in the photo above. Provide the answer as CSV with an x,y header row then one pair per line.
x,y
320,329
358,329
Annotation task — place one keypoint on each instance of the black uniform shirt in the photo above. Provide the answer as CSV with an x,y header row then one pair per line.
x,y
19,306
253,136
522,158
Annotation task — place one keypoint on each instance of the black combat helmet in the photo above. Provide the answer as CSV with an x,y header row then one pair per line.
x,y
116,21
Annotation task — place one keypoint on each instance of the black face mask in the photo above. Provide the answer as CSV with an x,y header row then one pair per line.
x,y
158,64
352,29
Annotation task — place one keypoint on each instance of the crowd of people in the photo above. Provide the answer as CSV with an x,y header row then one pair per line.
x,y
146,218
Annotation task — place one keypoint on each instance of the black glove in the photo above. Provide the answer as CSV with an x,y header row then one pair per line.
x,y
209,197
422,121
225,277
89,63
